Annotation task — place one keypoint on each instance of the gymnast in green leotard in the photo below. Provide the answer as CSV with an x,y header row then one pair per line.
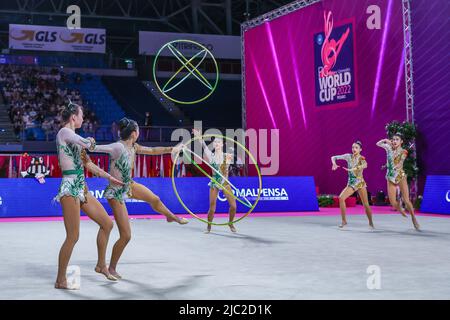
x,y
220,161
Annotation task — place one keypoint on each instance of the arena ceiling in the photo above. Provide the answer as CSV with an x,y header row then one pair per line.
x,y
124,18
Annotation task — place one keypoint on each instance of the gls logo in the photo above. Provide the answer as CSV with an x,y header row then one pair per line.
x,y
1,201
447,196
89,38
52,36
39,36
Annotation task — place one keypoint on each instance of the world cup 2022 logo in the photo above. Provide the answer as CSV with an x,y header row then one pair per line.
x,y
334,73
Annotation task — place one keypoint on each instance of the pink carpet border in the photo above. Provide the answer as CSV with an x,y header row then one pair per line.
x,y
323,212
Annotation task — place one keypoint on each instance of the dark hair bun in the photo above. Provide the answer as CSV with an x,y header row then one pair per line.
x,y
123,123
126,127
69,110
358,142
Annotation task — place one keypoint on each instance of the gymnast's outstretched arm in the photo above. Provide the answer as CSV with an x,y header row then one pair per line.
x,y
114,149
208,153
153,151
340,157
69,136
95,170
345,157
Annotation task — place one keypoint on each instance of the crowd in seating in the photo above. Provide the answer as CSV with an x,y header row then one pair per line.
x,y
35,97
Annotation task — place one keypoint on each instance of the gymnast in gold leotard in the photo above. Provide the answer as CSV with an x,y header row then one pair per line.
x,y
356,163
396,176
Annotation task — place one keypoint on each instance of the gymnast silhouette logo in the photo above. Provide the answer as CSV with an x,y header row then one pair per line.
x,y
330,47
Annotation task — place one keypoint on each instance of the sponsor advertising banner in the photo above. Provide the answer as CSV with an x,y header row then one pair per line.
x,y
48,38
28,198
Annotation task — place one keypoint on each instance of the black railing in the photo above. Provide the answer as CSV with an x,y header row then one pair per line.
x,y
100,133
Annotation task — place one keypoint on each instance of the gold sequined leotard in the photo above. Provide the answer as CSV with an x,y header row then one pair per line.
x,y
355,177
394,163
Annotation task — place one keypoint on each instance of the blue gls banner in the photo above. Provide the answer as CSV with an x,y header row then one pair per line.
x,y
436,196
28,198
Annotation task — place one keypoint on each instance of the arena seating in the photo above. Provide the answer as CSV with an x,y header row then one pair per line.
x,y
136,100
35,94
97,97
221,109
109,98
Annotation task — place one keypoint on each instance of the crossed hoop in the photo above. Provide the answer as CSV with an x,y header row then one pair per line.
x,y
190,67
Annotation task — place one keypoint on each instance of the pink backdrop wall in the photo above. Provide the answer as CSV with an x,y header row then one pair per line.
x,y
280,89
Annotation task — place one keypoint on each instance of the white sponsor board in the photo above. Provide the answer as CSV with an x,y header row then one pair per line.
x,y
222,47
47,38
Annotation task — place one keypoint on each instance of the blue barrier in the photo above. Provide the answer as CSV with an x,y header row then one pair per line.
x,y
28,198
436,196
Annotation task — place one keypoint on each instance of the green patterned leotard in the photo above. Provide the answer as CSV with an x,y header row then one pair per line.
x,y
121,164
219,163
121,160
71,158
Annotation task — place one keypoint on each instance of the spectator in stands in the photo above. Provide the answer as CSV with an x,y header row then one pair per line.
x,y
93,117
78,78
47,126
147,124
91,128
85,126
115,131
17,122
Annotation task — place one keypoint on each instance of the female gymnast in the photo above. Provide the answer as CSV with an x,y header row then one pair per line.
x,y
122,156
395,174
220,161
356,163
73,193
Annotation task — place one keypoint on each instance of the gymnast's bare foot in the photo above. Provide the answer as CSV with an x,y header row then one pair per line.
x,y
177,219
63,285
208,229
343,224
403,213
232,228
416,224
182,220
104,270
114,273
